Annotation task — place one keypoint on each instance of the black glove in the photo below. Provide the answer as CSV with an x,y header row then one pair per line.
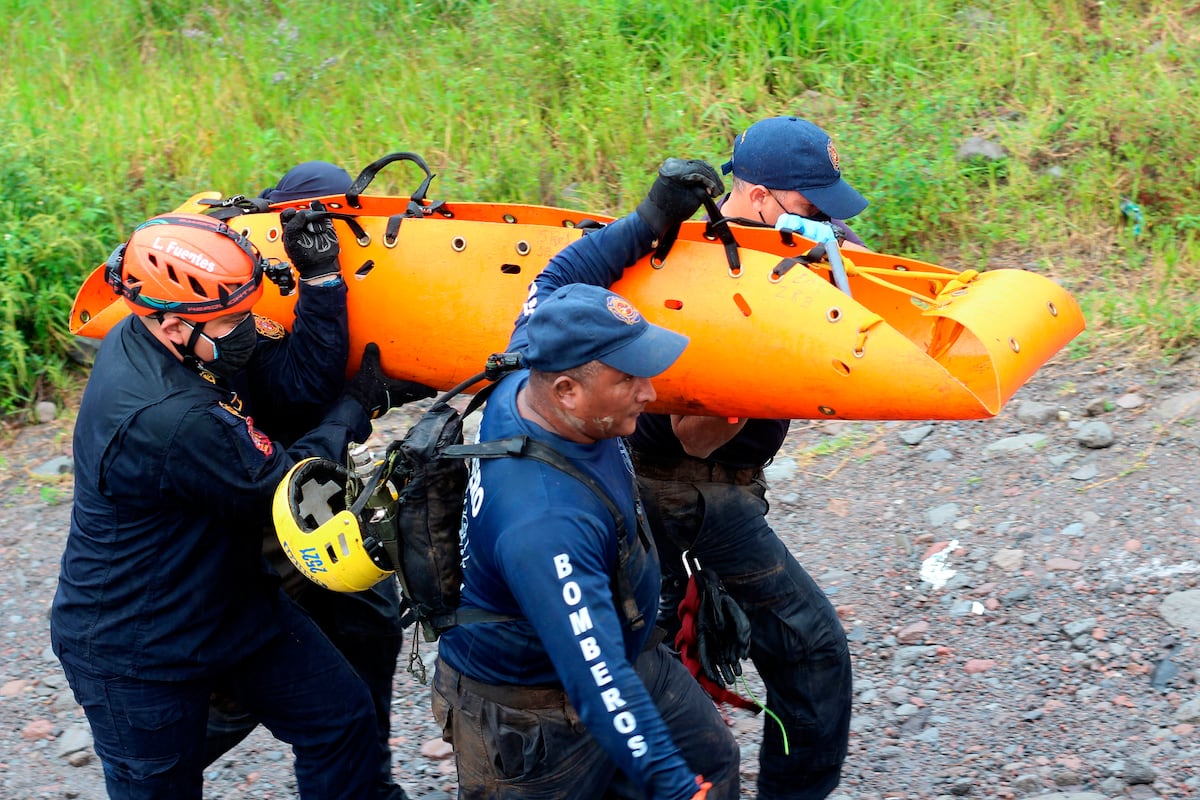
x,y
310,243
678,192
378,393
722,630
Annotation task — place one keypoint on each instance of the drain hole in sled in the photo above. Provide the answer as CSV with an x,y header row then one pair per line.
x,y
509,218
1053,309
1014,344
841,367
827,411
458,244
833,314
522,248
367,266
272,234
674,305
742,304
510,269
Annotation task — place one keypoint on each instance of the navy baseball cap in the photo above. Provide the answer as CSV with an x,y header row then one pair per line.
x,y
310,179
581,323
792,154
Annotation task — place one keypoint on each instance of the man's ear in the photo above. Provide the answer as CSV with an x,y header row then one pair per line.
x,y
566,391
174,329
758,195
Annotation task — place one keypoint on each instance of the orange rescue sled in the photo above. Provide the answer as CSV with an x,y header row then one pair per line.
x,y
438,286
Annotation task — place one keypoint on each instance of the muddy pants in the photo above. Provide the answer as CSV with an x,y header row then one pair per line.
x,y
515,742
797,642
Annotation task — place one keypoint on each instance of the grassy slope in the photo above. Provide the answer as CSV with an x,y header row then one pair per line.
x,y
113,111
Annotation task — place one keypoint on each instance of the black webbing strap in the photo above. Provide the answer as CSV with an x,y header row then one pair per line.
x,y
525,447
717,227
235,206
371,170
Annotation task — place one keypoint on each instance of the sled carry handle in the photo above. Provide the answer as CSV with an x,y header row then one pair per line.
x,y
716,227
371,170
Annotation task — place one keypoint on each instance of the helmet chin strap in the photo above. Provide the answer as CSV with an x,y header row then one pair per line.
x,y
188,351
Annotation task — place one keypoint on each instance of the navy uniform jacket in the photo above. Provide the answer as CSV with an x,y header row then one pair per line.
x,y
162,577
540,546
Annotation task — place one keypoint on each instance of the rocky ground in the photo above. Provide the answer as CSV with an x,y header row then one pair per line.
x,y
1022,597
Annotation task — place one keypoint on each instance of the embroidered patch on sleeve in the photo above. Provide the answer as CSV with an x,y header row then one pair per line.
x,y
260,439
268,327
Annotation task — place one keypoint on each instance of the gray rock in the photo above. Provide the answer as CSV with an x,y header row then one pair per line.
x,y
940,455
1189,712
1026,442
1130,401
1182,609
928,736
1008,560
943,514
1058,459
907,656
1112,786
1095,435
45,411
1073,531
1018,595
1085,473
1027,783
74,739
59,465
1080,627
1138,772
1097,406
781,469
914,436
1032,412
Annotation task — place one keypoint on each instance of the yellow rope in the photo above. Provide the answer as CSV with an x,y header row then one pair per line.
x,y
882,276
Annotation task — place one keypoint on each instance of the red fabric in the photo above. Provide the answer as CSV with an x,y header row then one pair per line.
x,y
685,643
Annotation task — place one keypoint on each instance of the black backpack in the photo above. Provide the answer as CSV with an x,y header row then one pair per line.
x,y
420,540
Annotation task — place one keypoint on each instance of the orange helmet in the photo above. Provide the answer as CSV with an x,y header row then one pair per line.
x,y
190,264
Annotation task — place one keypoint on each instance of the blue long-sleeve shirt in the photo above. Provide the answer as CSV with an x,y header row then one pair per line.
x,y
162,576
540,546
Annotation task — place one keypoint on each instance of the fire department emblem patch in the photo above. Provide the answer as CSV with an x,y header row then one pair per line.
x,y
623,310
268,327
260,439
833,156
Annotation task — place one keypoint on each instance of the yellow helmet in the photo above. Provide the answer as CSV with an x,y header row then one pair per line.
x,y
321,536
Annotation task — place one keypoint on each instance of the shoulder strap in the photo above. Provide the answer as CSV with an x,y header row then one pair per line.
x,y
525,447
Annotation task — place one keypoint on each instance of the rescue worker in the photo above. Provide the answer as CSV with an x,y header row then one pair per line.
x,y
701,479
364,626
572,697
163,594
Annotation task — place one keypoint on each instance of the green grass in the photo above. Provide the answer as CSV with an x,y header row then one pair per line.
x,y
111,112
